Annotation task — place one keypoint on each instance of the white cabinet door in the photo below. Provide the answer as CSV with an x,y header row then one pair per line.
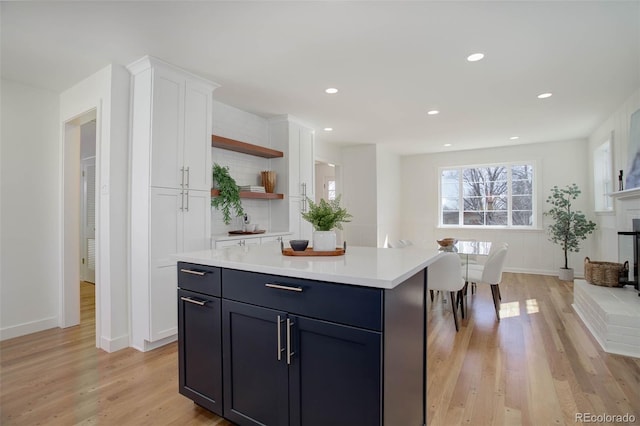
x,y
306,163
167,124
197,136
163,311
181,131
165,225
196,222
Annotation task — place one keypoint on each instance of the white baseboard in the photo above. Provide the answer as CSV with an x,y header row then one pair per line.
x,y
149,346
28,328
112,345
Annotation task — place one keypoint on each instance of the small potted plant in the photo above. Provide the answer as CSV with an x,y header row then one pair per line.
x,y
570,227
325,216
228,198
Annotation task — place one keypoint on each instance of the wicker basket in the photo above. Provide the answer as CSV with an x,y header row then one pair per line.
x,y
606,274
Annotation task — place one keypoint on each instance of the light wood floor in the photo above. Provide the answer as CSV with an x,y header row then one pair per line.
x,y
59,377
537,366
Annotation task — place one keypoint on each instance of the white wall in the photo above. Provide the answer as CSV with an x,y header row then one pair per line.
x,y
360,195
108,92
558,163
609,224
29,210
388,196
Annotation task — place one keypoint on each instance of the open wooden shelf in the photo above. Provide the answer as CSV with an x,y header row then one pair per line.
x,y
259,195
244,147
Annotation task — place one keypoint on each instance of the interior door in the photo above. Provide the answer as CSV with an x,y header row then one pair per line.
x,y
88,243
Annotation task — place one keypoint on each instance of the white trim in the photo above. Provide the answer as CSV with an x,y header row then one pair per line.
x,y
626,194
28,328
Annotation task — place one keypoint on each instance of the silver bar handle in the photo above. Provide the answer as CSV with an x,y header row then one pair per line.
x,y
181,177
289,353
181,201
196,302
280,348
283,287
187,195
188,177
192,272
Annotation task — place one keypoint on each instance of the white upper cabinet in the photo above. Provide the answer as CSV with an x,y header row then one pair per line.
x,y
172,126
296,140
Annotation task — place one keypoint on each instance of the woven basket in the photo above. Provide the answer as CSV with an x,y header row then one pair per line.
x,y
606,274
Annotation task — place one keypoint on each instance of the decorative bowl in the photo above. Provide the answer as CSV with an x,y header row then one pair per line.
x,y
447,243
299,245
250,227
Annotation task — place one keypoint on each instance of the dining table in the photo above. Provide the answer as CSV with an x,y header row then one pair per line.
x,y
468,250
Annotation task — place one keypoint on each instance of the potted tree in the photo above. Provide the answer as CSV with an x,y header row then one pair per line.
x,y
570,227
228,199
325,216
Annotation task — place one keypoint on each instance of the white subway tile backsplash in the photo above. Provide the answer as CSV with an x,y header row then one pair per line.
x,y
234,123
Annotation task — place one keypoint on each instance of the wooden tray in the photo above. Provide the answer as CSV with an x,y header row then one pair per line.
x,y
259,231
339,251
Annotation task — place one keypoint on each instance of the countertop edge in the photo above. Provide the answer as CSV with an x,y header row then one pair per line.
x,y
214,259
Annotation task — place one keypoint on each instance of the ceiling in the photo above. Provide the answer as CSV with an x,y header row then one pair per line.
x,y
391,61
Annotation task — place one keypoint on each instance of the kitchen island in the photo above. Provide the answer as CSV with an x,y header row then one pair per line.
x,y
268,339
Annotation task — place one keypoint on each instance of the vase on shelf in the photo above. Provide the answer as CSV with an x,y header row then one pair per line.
x,y
268,180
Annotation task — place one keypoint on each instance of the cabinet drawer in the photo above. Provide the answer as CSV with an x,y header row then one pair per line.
x,y
199,278
340,303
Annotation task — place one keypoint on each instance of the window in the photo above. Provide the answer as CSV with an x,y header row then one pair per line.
x,y
496,195
602,177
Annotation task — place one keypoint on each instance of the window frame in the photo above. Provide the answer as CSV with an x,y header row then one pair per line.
x,y
508,165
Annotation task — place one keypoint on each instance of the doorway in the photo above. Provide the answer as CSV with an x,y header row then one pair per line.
x,y
327,180
79,215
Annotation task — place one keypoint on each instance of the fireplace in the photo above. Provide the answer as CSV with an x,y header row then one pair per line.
x,y
629,251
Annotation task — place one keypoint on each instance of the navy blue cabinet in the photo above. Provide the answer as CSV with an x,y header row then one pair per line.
x,y
286,369
335,374
200,337
280,351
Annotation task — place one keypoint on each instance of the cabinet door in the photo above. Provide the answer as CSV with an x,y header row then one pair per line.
x,y
167,123
196,224
335,377
307,163
165,227
197,136
163,311
254,365
200,349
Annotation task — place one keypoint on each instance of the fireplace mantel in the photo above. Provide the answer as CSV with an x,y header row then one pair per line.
x,y
627,194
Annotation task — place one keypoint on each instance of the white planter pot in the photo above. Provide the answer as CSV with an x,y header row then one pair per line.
x,y
566,274
324,240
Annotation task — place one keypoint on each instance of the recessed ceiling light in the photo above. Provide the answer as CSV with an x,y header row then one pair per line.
x,y
475,57
328,129
513,138
447,144
331,90
433,112
544,95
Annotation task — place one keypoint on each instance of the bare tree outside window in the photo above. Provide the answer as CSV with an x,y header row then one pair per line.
x,y
498,195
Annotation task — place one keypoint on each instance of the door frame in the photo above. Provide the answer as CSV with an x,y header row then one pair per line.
x,y
69,312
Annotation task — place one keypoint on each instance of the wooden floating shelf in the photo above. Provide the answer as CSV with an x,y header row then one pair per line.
x,y
244,147
258,195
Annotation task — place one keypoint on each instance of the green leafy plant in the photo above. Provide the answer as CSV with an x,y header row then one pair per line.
x,y
229,197
326,215
569,227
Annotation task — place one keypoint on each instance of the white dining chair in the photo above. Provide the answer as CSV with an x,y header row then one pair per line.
x,y
480,266
445,274
490,273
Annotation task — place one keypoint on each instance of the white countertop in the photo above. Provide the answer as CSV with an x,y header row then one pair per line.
x,y
365,266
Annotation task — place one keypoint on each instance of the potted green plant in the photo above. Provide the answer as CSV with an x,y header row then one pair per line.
x,y
570,227
325,216
228,198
